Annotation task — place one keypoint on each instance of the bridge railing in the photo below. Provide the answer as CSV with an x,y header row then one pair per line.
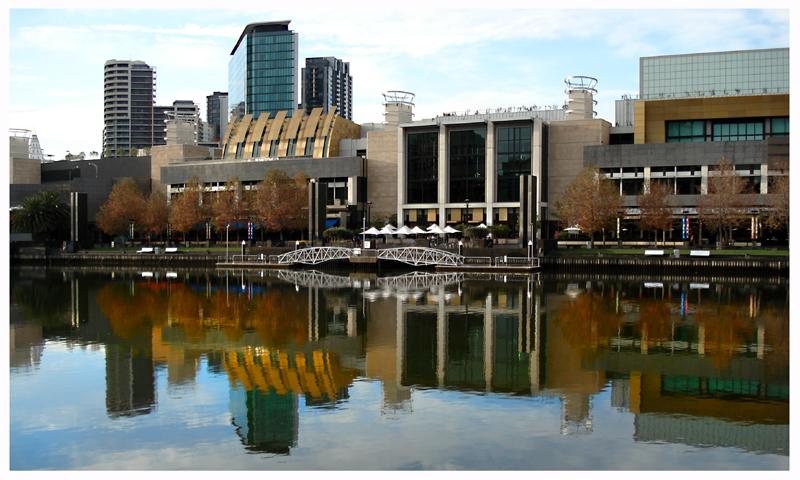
x,y
248,258
507,261
478,261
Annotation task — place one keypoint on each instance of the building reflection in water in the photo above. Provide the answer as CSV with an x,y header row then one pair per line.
x,y
695,364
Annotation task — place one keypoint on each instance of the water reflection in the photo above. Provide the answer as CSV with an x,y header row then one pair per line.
x,y
694,364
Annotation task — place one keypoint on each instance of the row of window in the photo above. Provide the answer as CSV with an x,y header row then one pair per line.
x,y
256,73
271,64
467,164
726,130
273,55
269,38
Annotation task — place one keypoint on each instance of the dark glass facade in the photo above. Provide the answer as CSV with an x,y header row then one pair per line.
x,y
513,160
326,83
686,131
734,130
467,157
262,71
217,114
728,130
422,153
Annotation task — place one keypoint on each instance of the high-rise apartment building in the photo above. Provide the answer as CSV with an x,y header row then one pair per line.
x,y
182,124
327,82
217,115
129,93
262,71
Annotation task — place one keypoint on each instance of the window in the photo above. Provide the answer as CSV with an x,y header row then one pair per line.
x,y
737,130
686,131
779,126
290,147
513,160
309,147
422,167
468,165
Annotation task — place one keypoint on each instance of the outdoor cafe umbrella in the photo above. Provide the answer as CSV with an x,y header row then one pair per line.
x,y
389,226
449,229
482,225
371,231
436,230
416,230
386,230
403,231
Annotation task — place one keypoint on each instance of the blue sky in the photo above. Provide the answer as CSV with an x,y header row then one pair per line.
x,y
453,59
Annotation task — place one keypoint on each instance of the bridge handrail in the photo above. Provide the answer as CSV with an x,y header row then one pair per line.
x,y
239,258
477,260
505,260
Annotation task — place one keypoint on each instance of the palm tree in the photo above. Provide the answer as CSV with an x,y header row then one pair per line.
x,y
44,215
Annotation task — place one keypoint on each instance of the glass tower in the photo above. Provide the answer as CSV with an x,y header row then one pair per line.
x,y
262,71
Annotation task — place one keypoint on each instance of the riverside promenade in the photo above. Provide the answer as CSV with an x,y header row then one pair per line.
x,y
474,260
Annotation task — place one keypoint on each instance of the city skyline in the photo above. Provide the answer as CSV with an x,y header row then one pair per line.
x,y
465,60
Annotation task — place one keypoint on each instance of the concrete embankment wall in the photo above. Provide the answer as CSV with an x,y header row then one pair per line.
x,y
690,266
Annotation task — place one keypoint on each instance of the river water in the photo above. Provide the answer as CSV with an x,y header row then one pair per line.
x,y
200,369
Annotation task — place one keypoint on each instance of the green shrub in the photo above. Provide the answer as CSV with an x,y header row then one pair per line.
x,y
476,232
337,233
500,231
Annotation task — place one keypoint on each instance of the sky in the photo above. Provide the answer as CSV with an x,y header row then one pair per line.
x,y
452,59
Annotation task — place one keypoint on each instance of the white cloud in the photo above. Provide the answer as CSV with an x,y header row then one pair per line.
x,y
440,54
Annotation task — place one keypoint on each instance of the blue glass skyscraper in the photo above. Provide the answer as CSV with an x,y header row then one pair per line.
x,y
262,72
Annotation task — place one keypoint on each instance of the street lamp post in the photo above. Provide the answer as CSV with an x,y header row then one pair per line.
x,y
466,216
227,227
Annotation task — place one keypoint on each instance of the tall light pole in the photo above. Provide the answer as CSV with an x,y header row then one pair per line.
x,y
363,229
227,227
467,214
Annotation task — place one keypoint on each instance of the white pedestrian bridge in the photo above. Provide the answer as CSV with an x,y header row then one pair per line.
x,y
416,256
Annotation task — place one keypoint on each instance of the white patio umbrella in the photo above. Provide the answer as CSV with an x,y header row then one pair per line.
x,y
371,231
431,226
482,225
386,231
436,230
403,231
449,229
572,229
389,226
416,230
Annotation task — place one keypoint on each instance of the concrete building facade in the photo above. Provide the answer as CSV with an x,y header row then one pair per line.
x,y
456,169
685,123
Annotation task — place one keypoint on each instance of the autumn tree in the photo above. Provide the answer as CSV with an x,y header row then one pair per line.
x,y
229,206
125,204
722,208
590,202
778,203
156,215
281,202
188,209
655,212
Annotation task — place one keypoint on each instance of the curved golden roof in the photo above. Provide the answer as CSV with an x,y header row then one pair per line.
x,y
250,137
